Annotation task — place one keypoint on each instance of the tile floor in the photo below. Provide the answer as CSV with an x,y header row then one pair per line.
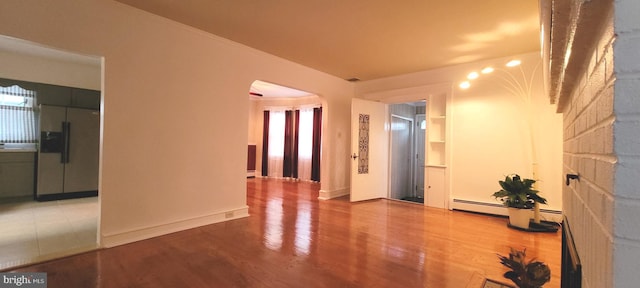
x,y
37,231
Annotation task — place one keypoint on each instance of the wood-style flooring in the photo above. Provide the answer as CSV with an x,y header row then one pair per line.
x,y
292,239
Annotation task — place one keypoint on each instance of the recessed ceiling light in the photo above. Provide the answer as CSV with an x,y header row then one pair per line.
x,y
465,85
513,63
487,70
473,75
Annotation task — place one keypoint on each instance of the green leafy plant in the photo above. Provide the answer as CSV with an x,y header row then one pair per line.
x,y
525,274
518,193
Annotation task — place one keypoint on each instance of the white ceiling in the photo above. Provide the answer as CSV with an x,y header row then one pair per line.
x,y
365,39
270,90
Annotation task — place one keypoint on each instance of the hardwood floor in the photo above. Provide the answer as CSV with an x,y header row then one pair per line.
x,y
293,240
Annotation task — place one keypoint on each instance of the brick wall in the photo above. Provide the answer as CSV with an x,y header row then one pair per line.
x,y
626,107
589,151
602,144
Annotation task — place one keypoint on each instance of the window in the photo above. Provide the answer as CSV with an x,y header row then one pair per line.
x,y
13,100
276,142
305,143
17,115
291,143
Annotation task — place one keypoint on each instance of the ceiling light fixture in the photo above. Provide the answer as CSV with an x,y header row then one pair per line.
x,y
486,70
513,63
466,84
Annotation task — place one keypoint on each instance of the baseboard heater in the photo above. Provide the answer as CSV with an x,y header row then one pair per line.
x,y
499,209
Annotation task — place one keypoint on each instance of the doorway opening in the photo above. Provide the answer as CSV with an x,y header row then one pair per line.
x,y
371,151
68,223
285,133
407,151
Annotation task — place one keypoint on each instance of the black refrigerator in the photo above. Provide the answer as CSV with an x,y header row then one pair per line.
x,y
68,153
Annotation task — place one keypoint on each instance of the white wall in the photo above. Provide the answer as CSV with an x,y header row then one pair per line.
x,y
626,144
40,70
489,131
169,158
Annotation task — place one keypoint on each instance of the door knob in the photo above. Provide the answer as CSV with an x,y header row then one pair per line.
x,y
354,156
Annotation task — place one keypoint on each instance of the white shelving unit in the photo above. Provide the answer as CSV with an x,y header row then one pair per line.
x,y
436,168
436,130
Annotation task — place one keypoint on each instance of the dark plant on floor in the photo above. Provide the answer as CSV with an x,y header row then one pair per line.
x,y
518,193
531,274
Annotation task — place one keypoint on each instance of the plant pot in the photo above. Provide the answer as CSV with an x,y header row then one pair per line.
x,y
519,217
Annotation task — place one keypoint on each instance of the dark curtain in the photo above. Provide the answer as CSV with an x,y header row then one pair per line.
x,y
265,145
296,135
317,141
288,141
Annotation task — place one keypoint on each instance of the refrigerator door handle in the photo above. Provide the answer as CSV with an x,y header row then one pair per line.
x,y
66,130
64,142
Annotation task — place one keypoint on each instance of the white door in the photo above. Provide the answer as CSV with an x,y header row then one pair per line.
x,y
435,187
369,150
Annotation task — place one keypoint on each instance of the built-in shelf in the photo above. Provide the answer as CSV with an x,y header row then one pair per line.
x,y
436,170
436,130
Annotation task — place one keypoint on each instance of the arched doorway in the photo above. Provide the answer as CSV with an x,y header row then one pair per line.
x,y
284,132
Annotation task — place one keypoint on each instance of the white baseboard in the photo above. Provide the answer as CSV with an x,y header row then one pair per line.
x,y
116,239
330,194
499,209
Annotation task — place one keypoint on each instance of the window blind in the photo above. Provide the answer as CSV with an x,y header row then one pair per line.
x,y
17,115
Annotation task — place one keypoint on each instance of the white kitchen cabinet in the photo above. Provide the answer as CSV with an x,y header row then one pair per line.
x,y
436,196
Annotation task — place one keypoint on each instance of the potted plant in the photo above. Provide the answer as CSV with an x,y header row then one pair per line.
x,y
525,274
519,197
